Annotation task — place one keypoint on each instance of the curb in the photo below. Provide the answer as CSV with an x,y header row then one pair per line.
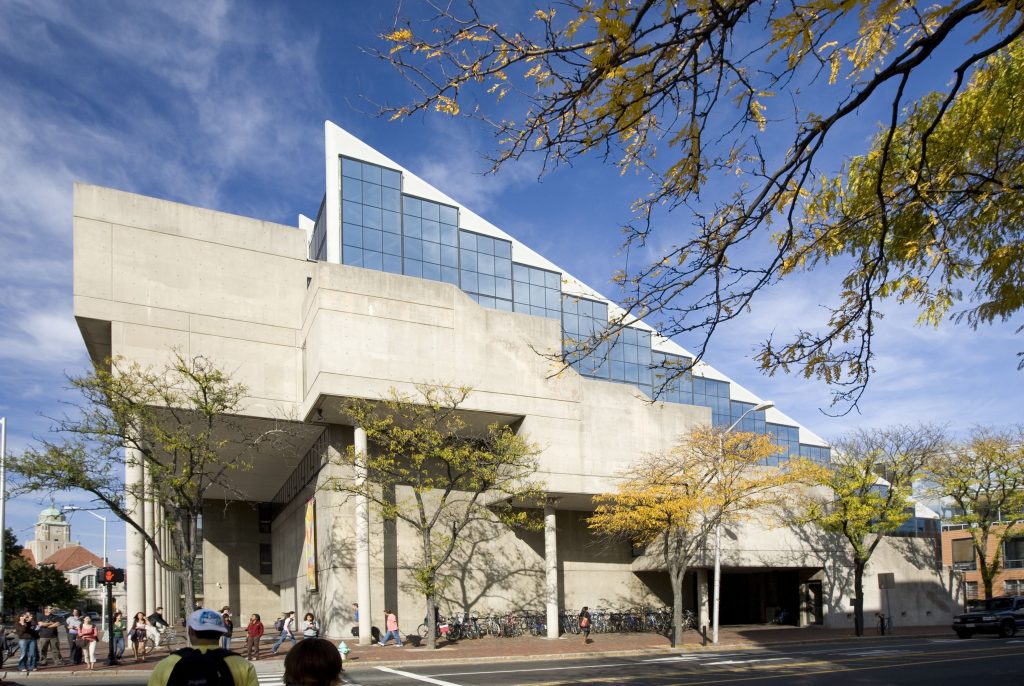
x,y
454,658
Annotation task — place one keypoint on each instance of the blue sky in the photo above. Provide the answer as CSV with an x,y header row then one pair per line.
x,y
221,105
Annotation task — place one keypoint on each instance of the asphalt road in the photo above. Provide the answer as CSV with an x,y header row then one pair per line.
x,y
892,662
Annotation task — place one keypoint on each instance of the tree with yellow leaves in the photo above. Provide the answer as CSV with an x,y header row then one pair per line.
x,y
984,479
732,113
439,476
869,487
672,502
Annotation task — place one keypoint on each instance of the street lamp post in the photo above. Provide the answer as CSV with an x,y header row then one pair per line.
x,y
75,508
718,524
3,509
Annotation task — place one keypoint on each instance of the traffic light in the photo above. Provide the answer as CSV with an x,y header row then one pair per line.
x,y
109,575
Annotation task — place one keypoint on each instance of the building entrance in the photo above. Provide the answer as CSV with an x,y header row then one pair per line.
x,y
767,596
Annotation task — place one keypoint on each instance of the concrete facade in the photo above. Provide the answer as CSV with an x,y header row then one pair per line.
x,y
305,336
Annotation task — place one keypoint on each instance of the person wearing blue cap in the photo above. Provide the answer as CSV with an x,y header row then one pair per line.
x,y
206,663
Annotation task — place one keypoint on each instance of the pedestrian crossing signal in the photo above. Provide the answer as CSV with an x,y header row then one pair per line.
x,y
109,575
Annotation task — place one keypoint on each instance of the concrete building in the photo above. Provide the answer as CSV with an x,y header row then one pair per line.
x,y
52,533
394,283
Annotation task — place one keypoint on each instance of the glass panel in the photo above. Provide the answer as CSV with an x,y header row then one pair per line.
x,y
431,271
373,260
431,210
411,205
431,253
412,267
503,249
391,179
391,199
372,217
371,172
449,215
392,244
371,194
413,226
431,230
393,264
351,168
352,234
392,221
449,235
352,212
351,190
449,256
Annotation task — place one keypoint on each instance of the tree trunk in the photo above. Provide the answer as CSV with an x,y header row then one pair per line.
x,y
858,596
431,623
676,574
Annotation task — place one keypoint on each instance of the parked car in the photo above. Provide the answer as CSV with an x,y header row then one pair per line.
x,y
1003,615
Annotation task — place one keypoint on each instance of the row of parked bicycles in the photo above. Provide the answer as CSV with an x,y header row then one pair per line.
x,y
460,625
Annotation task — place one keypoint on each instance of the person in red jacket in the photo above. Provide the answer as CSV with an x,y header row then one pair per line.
x,y
253,634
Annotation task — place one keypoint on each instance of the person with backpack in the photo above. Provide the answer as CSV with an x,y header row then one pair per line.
x,y
206,663
584,621
287,631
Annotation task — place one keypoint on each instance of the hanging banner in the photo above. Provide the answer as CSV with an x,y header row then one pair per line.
x,y
310,546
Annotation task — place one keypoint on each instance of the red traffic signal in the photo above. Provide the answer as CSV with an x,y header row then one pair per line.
x,y
109,575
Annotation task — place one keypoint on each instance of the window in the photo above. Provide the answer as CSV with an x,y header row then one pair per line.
x,y
1013,553
818,453
266,559
963,554
971,590
265,515
485,269
786,437
583,320
430,238
714,394
1013,587
87,582
370,208
752,423
536,291
679,389
318,244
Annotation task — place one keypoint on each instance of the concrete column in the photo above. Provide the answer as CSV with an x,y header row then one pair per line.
x,y
703,611
158,531
135,573
551,568
362,543
149,561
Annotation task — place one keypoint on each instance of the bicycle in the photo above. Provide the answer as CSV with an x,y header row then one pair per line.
x,y
884,623
168,637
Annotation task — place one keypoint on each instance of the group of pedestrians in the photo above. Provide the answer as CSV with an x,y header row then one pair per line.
x,y
38,636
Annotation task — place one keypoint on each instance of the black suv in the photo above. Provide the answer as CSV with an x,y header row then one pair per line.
x,y
1003,615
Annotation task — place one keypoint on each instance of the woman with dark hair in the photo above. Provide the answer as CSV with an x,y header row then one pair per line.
x,y
253,635
138,636
313,662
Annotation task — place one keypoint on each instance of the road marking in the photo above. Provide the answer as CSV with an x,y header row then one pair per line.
x,y
418,677
602,665
745,662
675,658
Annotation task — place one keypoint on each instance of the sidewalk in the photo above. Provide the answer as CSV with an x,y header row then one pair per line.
x,y
530,647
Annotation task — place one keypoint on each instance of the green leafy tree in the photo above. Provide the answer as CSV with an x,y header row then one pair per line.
x,y
31,588
671,503
983,477
732,114
429,470
870,485
181,421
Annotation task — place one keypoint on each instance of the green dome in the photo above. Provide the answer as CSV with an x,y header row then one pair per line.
x,y
51,513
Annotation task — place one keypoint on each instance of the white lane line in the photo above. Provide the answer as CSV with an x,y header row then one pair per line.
x,y
676,658
744,662
418,677
602,665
